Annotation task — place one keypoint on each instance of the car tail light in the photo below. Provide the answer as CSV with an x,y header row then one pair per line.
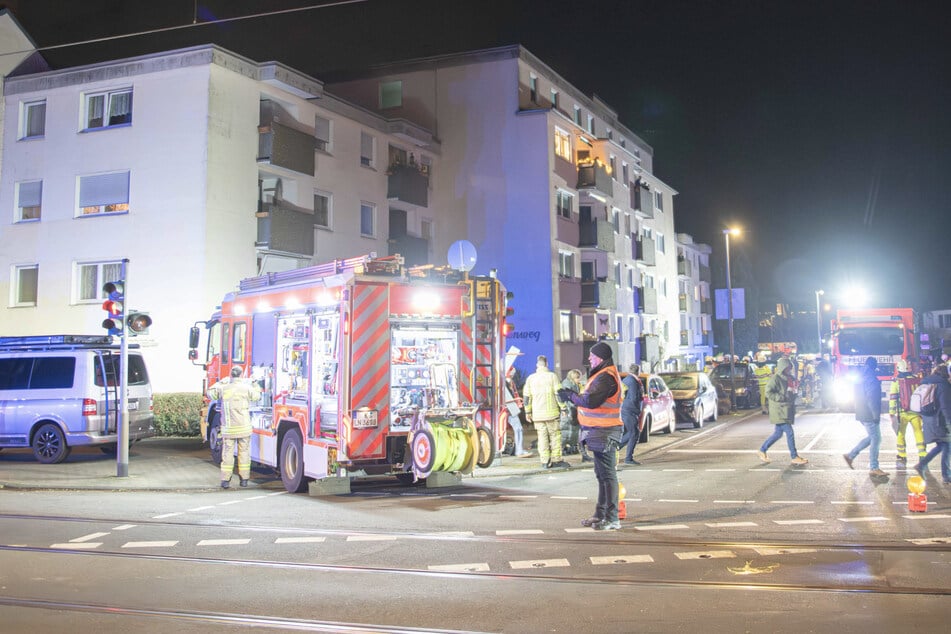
x,y
89,407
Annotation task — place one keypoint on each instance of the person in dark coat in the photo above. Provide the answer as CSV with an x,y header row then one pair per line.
x,y
937,428
868,411
631,412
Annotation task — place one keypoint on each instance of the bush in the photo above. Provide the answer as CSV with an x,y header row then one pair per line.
x,y
177,413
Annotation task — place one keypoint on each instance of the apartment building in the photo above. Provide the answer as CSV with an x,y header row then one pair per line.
x,y
200,167
556,194
696,306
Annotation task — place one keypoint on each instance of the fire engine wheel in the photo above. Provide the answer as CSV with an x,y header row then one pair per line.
x,y
49,444
214,439
486,448
407,478
292,463
424,453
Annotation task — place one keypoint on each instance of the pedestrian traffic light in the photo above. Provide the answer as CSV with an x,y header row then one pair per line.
x,y
114,307
138,323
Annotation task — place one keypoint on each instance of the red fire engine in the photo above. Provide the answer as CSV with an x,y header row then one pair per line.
x,y
367,367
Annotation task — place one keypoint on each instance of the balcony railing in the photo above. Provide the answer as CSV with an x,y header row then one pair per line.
x,y
706,306
685,337
598,234
649,300
647,251
705,274
282,145
684,267
415,251
594,175
407,183
567,229
684,303
642,200
569,293
285,230
598,294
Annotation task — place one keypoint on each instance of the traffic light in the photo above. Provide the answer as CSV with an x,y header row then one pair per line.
x,y
138,323
114,307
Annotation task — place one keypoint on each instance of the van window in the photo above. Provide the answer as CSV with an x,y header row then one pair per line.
x,y
53,373
137,372
15,373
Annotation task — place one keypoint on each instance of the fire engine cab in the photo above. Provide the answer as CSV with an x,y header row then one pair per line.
x,y
367,368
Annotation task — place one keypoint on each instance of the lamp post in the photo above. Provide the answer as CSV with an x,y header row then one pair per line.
x,y
729,290
819,320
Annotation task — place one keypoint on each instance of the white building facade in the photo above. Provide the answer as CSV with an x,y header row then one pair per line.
x,y
695,303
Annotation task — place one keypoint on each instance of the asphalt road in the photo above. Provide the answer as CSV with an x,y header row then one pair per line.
x,y
714,541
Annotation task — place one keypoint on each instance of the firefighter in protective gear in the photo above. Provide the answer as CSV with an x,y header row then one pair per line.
x,y
235,396
901,415
762,377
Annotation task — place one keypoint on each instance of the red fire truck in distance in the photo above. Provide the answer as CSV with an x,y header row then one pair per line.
x,y
367,367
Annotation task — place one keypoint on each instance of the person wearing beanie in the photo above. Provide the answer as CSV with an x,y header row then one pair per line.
x,y
542,409
868,411
599,414
937,426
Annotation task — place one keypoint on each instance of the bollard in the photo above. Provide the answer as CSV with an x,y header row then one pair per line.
x,y
917,500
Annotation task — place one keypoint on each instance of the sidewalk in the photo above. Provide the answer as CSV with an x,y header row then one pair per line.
x,y
179,464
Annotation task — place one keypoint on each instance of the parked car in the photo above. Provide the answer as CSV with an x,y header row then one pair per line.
x,y
747,385
657,412
695,397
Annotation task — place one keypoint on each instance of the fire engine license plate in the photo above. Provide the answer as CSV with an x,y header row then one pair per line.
x,y
364,419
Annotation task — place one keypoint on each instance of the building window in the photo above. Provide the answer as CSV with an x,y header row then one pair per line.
x,y
106,109
29,197
564,204
578,115
616,219
625,175
566,264
104,194
367,147
367,220
90,278
564,327
533,88
659,241
618,326
322,133
591,125
630,278
24,290
322,209
33,123
610,134
391,94
659,201
630,329
562,144
554,98
617,274
613,163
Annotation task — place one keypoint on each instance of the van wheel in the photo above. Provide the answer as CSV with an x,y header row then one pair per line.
x,y
49,444
292,463
214,439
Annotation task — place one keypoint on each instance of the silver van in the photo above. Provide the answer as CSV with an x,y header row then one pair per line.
x,y
62,391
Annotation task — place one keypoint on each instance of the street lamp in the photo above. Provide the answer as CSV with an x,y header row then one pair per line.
x,y
729,290
819,319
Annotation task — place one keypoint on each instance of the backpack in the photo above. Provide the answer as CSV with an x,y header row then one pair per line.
x,y
924,399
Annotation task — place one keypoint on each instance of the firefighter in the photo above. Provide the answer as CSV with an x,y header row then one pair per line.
x,y
901,415
235,396
761,370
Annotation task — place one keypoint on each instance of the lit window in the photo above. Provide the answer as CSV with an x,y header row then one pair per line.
x,y
562,144
391,94
617,273
625,177
90,278
24,290
563,202
367,144
564,327
659,201
108,108
613,163
322,133
367,217
104,194
590,124
29,197
322,209
34,119
566,264
659,241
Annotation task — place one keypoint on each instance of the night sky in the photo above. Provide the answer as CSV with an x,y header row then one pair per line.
x,y
821,128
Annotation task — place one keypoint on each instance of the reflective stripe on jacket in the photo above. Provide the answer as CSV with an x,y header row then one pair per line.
x,y
236,397
608,414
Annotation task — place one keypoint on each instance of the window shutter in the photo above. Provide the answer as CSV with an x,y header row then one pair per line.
x,y
104,189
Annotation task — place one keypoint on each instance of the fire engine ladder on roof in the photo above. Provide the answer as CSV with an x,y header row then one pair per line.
x,y
484,335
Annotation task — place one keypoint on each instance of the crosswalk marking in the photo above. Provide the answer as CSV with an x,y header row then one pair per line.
x,y
734,501
797,522
371,538
731,524
677,501
792,502
661,527
539,563
77,545
525,531
163,516
877,518
124,527
201,508
925,516
223,542
86,538
299,540
155,544
621,559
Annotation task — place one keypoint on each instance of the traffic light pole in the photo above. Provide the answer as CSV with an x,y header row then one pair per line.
x,y
122,428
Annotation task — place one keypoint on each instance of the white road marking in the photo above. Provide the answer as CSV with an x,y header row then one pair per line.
x,y
930,540
903,502
764,470
684,501
539,563
162,517
460,568
526,531
707,554
452,534
230,502
734,501
86,538
371,538
468,495
850,502
784,551
257,497
517,497
276,493
299,540
797,522
684,470
156,544
925,516
584,529
78,546
223,542
792,502
876,518
621,559
661,527
200,508
717,451
815,440
731,524
720,470
568,497
124,527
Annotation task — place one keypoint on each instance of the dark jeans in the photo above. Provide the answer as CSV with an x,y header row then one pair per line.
x,y
631,433
944,448
605,470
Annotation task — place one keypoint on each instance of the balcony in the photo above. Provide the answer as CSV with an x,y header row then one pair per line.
x,y
649,345
684,303
648,303
597,294
705,274
285,230
647,251
569,293
567,230
684,267
415,251
598,234
642,200
408,184
593,175
706,306
685,337
281,145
